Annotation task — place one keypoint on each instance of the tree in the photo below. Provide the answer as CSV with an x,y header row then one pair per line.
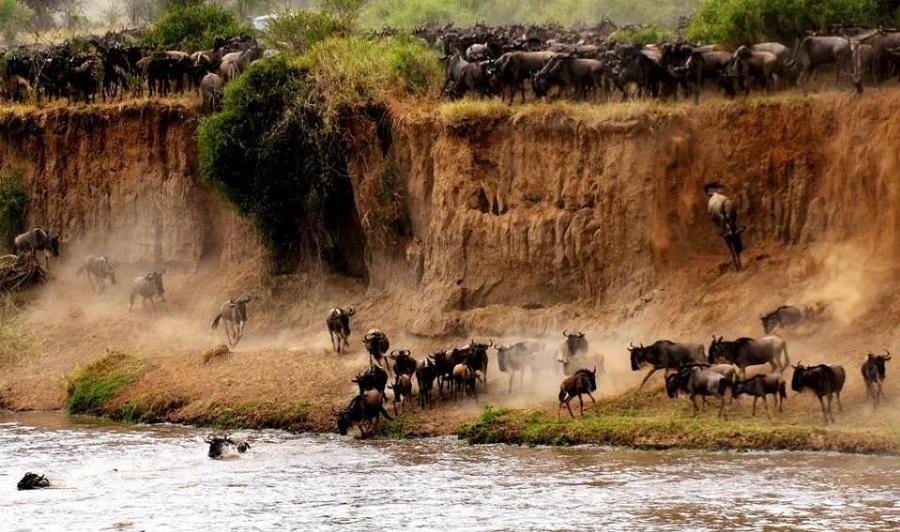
x,y
12,16
346,10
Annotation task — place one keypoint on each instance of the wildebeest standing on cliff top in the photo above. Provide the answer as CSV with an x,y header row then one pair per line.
x,y
338,323
37,239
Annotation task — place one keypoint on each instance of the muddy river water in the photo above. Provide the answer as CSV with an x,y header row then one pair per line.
x,y
108,477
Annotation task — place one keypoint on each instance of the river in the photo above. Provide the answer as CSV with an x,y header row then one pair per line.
x,y
107,476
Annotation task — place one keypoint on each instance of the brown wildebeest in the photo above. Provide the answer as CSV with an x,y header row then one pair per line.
x,y
575,385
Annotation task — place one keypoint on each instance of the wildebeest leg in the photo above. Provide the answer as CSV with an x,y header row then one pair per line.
x,y
766,405
824,412
592,398
512,375
569,407
722,406
652,371
754,406
695,408
840,406
581,404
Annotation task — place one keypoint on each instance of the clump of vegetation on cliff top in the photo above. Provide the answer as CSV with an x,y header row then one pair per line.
x,y
193,27
90,388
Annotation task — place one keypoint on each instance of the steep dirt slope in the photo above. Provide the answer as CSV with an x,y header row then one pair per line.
x,y
543,218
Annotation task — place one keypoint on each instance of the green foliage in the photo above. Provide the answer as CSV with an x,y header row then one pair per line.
x,y
643,35
347,11
737,22
263,415
268,153
353,71
12,15
13,207
94,386
194,27
297,31
152,408
485,428
406,14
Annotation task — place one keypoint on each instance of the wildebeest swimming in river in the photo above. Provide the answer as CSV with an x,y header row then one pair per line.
x,y
234,312
218,445
148,286
37,239
99,268
32,481
723,213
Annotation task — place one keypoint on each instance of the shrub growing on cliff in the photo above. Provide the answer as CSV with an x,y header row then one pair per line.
x,y
13,206
268,153
194,27
295,32
92,387
737,22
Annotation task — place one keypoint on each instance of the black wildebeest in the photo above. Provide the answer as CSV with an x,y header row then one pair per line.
x,y
426,373
702,66
723,213
512,69
404,363
32,481
664,354
571,74
219,444
824,380
873,372
377,344
745,352
234,312
575,385
761,386
37,239
748,63
574,346
516,358
148,287
374,378
338,323
787,315
98,268
363,411
697,380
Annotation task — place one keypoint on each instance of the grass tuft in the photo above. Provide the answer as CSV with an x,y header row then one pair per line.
x,y
93,387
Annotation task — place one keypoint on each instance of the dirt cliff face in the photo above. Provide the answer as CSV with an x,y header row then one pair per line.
x,y
123,181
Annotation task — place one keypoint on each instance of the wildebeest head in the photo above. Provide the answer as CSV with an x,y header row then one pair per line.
x,y
590,377
673,384
155,279
344,419
574,340
32,481
714,347
878,361
637,356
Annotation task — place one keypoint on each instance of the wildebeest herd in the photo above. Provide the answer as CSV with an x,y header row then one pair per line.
x,y
585,63
117,65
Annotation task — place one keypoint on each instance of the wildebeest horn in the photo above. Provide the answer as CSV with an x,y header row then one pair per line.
x,y
393,354
491,342
566,333
887,354
350,311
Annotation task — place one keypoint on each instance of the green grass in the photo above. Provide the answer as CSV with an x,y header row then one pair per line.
x,y
149,408
290,415
93,387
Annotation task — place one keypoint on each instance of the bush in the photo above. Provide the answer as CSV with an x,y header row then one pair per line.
x,y
642,35
296,32
736,22
13,207
194,27
269,155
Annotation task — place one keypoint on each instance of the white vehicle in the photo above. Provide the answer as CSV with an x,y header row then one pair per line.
x,y
260,23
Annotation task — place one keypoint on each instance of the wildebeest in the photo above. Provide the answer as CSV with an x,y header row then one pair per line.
x,y
578,75
814,52
696,380
211,87
32,481
745,352
402,389
148,287
785,316
748,63
824,380
761,386
426,373
464,379
873,372
702,66
404,363
516,358
377,344
664,354
474,354
219,444
512,69
374,378
723,214
234,312
575,385
575,346
37,239
363,411
338,323
98,268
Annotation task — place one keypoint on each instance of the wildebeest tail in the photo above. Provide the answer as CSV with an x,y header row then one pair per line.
x,y
385,412
215,322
